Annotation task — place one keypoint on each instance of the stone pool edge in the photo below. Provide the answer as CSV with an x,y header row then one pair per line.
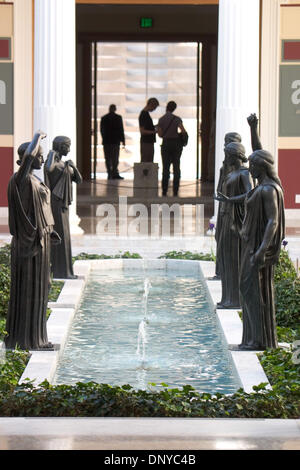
x,y
42,364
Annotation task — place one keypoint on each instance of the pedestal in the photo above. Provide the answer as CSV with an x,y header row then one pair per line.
x,y
145,180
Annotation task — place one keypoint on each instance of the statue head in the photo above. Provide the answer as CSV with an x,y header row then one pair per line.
x,y
37,162
232,137
21,150
261,162
62,144
235,151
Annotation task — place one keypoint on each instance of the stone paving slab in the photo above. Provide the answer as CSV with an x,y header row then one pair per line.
x,y
148,434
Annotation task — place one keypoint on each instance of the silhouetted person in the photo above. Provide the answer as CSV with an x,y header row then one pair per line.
x,y
31,225
59,176
171,148
147,130
112,132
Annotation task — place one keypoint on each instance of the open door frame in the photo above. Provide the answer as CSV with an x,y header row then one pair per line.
x,y
208,96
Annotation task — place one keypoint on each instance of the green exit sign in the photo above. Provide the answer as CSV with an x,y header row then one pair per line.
x,y
146,22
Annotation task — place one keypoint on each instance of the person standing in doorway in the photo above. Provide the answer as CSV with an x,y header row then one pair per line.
x,y
147,130
112,132
171,148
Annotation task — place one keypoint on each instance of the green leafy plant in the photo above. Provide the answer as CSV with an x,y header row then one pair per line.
x,y
55,289
5,255
12,365
285,268
4,289
287,292
91,399
93,256
188,255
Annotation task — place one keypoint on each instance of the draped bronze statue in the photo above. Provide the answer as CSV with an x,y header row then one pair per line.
x,y
262,234
229,137
31,225
59,176
236,181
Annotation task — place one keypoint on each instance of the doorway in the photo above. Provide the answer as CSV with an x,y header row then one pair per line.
x,y
175,59
127,74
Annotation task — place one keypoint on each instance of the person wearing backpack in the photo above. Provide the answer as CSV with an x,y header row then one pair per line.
x,y
172,145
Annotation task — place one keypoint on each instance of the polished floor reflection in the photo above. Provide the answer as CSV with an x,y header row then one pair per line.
x,y
144,213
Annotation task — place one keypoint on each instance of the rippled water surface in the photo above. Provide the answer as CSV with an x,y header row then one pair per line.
x,y
121,336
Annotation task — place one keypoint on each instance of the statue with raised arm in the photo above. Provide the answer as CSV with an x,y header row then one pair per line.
x,y
59,176
31,225
262,234
236,181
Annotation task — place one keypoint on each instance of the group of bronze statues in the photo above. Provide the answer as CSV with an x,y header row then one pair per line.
x,y
249,234
41,244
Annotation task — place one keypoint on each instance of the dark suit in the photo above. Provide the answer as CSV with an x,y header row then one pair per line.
x,y
112,132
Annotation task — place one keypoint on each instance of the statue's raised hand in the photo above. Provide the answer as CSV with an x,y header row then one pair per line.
x,y
252,120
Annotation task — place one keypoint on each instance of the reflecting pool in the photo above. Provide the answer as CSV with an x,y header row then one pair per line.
x,y
140,328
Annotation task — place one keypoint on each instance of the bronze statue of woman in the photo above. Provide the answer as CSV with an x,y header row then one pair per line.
x,y
237,181
59,176
31,225
229,137
262,233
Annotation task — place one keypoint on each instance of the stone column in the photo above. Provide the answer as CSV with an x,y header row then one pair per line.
x,y
55,78
238,73
269,98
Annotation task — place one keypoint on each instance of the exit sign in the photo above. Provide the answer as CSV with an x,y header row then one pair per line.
x,y
146,22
